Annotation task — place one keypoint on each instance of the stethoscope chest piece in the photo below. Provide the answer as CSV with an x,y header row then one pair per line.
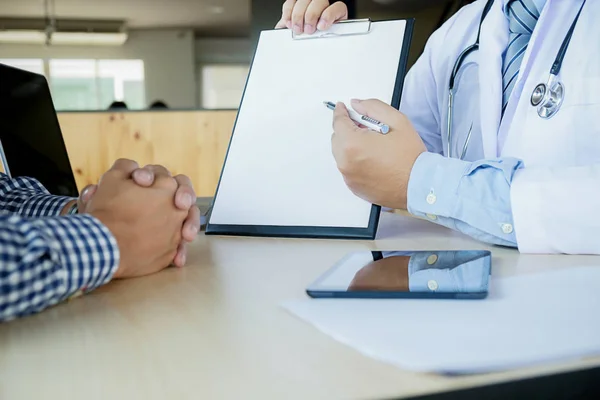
x,y
538,94
548,98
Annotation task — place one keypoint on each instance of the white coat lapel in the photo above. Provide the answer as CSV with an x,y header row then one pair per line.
x,y
494,38
521,123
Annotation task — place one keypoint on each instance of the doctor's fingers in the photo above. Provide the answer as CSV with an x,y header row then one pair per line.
x,y
347,140
305,16
380,111
280,24
286,15
346,150
300,7
338,11
306,13
315,9
343,125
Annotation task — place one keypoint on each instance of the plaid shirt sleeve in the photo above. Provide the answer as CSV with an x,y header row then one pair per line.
x,y
46,260
27,197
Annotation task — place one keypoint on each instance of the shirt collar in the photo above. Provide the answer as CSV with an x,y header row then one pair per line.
x,y
540,4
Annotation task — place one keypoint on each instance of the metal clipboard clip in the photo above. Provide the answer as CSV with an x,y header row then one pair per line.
x,y
343,28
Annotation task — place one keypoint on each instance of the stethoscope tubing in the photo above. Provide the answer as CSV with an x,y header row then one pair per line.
x,y
547,106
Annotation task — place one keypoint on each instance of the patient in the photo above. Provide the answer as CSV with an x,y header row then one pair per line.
x,y
136,221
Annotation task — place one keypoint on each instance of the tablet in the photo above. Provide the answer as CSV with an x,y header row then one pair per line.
x,y
459,274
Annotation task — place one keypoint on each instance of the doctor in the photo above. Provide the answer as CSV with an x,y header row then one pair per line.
x,y
512,155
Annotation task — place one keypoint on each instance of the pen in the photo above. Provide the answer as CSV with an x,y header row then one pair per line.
x,y
370,123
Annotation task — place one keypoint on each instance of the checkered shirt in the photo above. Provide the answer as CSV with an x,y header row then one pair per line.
x,y
46,258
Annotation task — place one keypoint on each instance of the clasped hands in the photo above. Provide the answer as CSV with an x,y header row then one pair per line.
x,y
152,214
376,167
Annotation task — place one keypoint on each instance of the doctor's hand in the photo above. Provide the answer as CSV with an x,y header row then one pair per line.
x,y
306,16
376,167
389,273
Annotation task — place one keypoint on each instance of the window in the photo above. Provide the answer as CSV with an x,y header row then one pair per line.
x,y
127,77
32,65
89,84
95,84
222,86
73,84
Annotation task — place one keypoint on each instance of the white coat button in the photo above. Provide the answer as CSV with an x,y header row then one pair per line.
x,y
432,217
507,228
432,285
432,259
431,198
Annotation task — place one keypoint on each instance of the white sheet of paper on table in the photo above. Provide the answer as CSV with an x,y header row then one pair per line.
x,y
526,320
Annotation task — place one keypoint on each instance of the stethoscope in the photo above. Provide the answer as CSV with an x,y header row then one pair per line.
x,y
546,97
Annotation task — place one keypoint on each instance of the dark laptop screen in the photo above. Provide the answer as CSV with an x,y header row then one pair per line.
x,y
30,133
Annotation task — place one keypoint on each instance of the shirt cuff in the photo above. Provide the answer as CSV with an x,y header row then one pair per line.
x,y
44,205
85,248
433,185
471,197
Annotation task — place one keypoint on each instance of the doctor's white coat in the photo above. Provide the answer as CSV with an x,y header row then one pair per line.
x,y
555,198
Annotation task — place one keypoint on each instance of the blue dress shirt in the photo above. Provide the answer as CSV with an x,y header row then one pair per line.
x,y
470,197
445,271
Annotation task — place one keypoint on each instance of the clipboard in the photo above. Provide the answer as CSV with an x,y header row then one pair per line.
x,y
279,178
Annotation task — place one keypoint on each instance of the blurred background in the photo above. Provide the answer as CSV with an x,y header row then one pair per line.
x,y
184,54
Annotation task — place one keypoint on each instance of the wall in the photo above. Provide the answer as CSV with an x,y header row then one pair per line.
x,y
223,51
168,56
232,51
193,143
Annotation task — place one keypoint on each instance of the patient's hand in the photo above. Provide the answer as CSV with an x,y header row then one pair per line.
x,y
185,200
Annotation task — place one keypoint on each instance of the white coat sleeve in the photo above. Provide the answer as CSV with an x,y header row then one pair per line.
x,y
419,97
555,210
425,85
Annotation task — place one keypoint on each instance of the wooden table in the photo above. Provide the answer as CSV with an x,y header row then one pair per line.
x,y
215,329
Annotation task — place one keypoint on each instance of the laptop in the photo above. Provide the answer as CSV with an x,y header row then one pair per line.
x,y
31,142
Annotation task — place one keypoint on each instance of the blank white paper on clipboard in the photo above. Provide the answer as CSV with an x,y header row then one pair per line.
x,y
279,176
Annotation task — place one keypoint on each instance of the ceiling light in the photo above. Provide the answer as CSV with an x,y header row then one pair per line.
x,y
22,37
88,39
217,9
63,38
75,32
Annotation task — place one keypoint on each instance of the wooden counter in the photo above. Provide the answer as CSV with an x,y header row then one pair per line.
x,y
216,329
188,142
